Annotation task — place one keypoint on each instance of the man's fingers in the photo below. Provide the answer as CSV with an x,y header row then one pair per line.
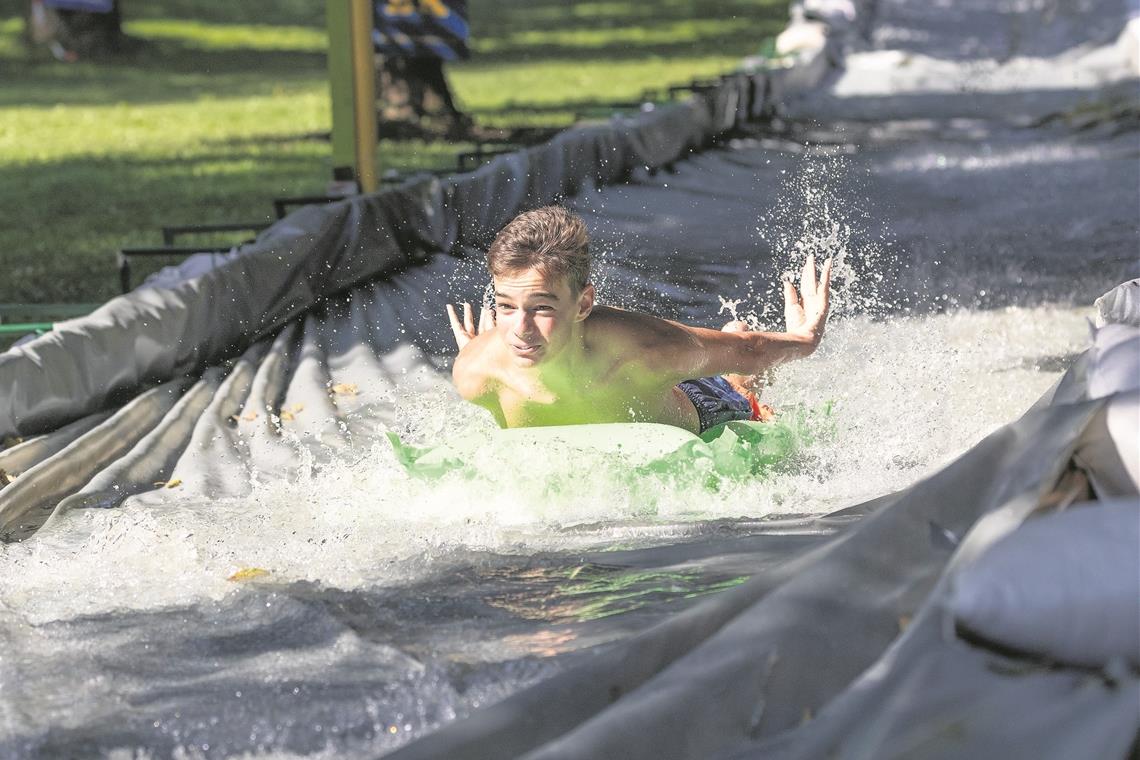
x,y
791,297
825,282
807,277
468,319
486,320
793,307
461,337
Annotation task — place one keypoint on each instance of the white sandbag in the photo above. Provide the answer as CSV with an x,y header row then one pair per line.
x,y
1114,362
836,13
1065,586
1109,449
1122,418
1121,305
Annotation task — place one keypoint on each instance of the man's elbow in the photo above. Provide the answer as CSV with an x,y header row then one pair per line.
x,y
460,376
465,387
471,385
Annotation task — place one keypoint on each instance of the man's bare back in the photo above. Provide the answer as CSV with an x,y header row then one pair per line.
x,y
546,355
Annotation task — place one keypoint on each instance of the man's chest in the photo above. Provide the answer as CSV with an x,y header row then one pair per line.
x,y
535,403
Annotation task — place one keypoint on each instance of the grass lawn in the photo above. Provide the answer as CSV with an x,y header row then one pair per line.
x,y
218,112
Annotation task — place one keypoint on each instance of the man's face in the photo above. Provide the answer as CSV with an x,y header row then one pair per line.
x,y
535,314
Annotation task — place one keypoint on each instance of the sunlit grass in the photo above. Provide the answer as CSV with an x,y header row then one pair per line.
x,y
171,130
216,36
224,105
517,86
711,32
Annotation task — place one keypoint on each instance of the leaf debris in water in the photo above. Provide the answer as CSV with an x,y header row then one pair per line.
x,y
248,574
344,389
172,483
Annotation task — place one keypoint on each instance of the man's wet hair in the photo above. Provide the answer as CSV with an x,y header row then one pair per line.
x,y
549,239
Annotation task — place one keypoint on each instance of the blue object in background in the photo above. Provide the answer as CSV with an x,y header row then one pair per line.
x,y
421,29
90,6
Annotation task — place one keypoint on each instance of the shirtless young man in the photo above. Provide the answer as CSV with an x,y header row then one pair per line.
x,y
547,355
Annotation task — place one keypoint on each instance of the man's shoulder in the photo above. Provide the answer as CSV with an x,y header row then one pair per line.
x,y
641,343
627,330
610,330
608,320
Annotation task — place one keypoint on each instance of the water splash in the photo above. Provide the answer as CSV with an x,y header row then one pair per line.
x,y
820,212
730,306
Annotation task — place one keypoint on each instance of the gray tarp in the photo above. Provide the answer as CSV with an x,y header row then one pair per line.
x,y
843,651
838,645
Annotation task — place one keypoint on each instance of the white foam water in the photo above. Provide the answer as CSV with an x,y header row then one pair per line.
x,y
906,396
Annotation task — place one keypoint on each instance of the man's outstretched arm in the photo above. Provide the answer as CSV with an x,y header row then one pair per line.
x,y
679,352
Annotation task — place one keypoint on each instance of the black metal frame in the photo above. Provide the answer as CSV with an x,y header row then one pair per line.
x,y
281,205
125,255
170,232
697,85
479,156
173,231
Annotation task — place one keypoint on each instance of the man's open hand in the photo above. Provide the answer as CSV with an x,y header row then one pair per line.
x,y
805,312
466,330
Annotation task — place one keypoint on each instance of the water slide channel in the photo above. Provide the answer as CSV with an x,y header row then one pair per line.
x,y
292,591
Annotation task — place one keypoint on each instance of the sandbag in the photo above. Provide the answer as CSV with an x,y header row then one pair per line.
x,y
1109,449
1121,305
1065,586
1114,364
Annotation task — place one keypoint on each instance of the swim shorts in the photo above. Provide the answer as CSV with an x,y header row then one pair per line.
x,y
718,402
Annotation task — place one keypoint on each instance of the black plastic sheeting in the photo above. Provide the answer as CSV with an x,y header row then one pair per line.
x,y
152,335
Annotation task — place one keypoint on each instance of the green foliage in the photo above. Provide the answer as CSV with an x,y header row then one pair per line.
x,y
224,106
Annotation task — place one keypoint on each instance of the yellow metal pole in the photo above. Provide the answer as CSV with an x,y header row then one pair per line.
x,y
352,90
364,92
